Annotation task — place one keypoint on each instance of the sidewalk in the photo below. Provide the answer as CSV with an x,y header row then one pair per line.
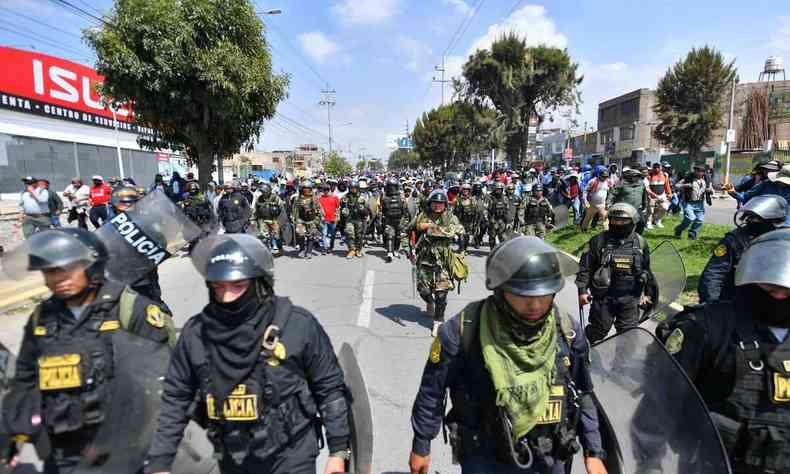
x,y
13,293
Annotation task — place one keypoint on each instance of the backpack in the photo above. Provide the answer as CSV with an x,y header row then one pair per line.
x,y
55,203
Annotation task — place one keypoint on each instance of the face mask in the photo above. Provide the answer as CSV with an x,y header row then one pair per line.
x,y
621,231
763,307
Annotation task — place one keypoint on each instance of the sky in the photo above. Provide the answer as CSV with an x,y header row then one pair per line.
x,y
379,56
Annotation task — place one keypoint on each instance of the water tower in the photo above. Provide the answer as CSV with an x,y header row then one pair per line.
x,y
774,66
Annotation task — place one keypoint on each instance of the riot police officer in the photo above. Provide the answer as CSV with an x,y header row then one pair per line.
x,y
737,354
614,272
536,213
197,207
631,190
122,199
467,210
354,208
61,388
307,219
497,214
515,366
394,212
268,207
760,215
258,368
233,210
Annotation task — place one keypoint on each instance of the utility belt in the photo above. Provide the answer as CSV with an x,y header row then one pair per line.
x,y
754,447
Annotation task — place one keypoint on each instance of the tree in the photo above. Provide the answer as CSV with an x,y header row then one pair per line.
x,y
690,100
196,71
433,136
522,83
375,165
337,166
361,164
402,158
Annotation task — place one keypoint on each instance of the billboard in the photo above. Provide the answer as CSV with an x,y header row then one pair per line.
x,y
399,141
44,85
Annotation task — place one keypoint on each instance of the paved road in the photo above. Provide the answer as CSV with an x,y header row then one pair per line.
x,y
366,303
721,212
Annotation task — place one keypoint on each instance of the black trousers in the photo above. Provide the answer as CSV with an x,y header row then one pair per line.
x,y
605,311
299,458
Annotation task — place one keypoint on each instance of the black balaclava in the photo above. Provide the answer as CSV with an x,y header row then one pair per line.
x,y
762,306
621,231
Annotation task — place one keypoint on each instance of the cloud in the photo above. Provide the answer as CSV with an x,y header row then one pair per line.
x,y
413,52
529,22
460,6
365,12
318,46
780,39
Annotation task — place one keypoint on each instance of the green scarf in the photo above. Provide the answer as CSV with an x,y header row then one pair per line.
x,y
522,367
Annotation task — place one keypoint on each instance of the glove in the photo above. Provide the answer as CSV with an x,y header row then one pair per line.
x,y
728,187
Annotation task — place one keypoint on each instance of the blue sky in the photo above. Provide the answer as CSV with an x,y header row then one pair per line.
x,y
379,55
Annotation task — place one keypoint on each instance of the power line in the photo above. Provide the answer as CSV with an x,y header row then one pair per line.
x,y
77,10
300,125
49,42
515,7
462,28
39,22
88,5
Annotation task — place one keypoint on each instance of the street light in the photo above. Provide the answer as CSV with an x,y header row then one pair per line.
x,y
270,12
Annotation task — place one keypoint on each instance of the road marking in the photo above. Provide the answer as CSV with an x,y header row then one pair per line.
x,y
367,300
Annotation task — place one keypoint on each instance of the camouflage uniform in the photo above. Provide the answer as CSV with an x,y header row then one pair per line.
x,y
354,207
394,213
307,222
467,210
536,214
498,207
267,215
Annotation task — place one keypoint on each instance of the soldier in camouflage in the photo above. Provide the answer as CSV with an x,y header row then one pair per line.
x,y
467,210
514,202
536,213
497,214
268,207
354,208
394,214
435,228
307,219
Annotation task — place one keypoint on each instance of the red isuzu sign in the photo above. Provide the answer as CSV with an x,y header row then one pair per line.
x,y
46,85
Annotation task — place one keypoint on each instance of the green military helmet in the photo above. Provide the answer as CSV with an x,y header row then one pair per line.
x,y
438,195
499,187
528,266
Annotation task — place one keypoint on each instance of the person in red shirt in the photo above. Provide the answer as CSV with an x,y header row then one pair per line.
x,y
329,205
99,199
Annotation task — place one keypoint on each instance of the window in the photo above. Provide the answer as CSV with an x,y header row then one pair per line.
x,y
607,136
629,110
607,115
627,133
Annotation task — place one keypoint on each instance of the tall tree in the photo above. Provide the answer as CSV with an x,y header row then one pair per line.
x,y
449,135
690,100
401,159
337,166
433,136
198,72
522,83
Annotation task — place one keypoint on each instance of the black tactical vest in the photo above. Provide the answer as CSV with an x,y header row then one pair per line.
x,y
268,411
754,419
268,209
75,362
499,207
466,210
479,423
624,264
308,209
392,207
357,209
534,212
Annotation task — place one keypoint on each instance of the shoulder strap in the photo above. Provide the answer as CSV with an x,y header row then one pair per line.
x,y
566,326
126,307
470,317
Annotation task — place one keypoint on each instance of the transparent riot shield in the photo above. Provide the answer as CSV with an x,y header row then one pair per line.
x,y
667,283
7,369
144,236
286,229
560,216
361,417
132,406
653,420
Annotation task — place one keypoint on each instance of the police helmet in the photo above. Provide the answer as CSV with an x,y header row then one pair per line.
x,y
363,184
528,266
604,173
392,185
266,189
537,188
499,186
466,186
307,185
771,166
125,195
192,187
623,210
61,248
768,207
767,260
438,195
233,257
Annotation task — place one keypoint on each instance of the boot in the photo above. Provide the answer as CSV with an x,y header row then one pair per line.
x,y
303,249
388,257
351,254
309,253
430,309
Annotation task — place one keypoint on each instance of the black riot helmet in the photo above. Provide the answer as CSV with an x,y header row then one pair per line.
x,y
63,248
528,266
622,210
266,190
537,188
438,195
392,186
234,257
124,195
762,214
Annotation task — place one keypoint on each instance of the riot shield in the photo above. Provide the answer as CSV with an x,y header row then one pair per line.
x,y
667,283
123,438
286,229
144,236
652,417
560,216
360,415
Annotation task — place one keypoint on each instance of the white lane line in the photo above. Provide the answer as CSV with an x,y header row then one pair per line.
x,y
367,300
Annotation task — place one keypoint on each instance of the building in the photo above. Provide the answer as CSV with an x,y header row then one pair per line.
x,y
625,128
53,125
304,160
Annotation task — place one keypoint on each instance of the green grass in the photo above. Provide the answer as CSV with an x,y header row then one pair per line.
x,y
695,253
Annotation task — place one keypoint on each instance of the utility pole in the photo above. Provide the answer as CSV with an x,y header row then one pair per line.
x,y
442,81
328,99
729,127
